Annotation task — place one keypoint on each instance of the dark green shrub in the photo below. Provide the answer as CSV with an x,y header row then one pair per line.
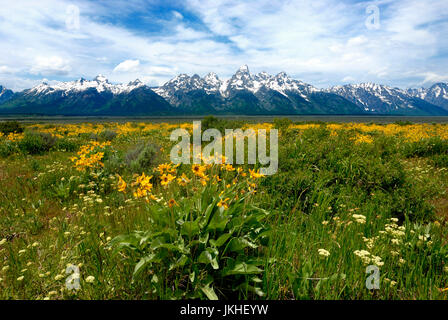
x,y
7,148
143,157
403,123
425,148
108,135
8,127
282,123
66,144
211,122
35,142
440,160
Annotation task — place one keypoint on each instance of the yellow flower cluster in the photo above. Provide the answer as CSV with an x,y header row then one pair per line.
x,y
90,156
363,138
14,136
413,132
128,128
166,174
144,186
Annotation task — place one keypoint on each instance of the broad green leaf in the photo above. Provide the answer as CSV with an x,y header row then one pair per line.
x,y
180,262
209,292
218,222
209,213
242,268
238,244
221,240
203,238
140,266
207,257
189,228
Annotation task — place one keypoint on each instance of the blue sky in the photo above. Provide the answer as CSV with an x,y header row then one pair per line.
x,y
401,43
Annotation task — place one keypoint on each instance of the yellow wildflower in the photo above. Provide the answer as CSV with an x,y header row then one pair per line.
x,y
121,184
166,179
172,203
223,203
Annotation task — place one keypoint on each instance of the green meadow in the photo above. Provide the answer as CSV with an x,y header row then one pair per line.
x,y
98,211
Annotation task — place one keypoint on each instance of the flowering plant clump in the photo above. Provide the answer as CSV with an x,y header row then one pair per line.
x,y
211,237
90,156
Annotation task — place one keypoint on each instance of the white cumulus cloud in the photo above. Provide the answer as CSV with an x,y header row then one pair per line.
x,y
127,66
53,65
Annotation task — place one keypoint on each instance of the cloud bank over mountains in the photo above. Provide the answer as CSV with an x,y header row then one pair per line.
x,y
321,42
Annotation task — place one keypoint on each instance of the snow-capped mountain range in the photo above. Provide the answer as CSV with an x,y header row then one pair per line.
x,y
241,80
437,94
243,93
375,98
99,83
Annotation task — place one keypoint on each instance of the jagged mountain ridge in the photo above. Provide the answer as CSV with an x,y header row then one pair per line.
x,y
84,97
241,80
437,94
251,94
243,93
379,99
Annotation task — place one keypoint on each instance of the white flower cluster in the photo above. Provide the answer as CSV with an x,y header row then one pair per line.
x,y
394,229
359,218
368,258
370,242
323,252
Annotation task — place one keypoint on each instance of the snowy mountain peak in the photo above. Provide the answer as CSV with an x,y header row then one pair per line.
x,y
135,82
244,69
282,75
179,78
262,76
100,78
3,90
436,94
212,83
5,94
212,78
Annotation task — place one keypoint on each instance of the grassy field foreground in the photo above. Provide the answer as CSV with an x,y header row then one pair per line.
x,y
97,211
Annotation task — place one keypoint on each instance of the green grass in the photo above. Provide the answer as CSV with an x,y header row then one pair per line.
x,y
387,197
